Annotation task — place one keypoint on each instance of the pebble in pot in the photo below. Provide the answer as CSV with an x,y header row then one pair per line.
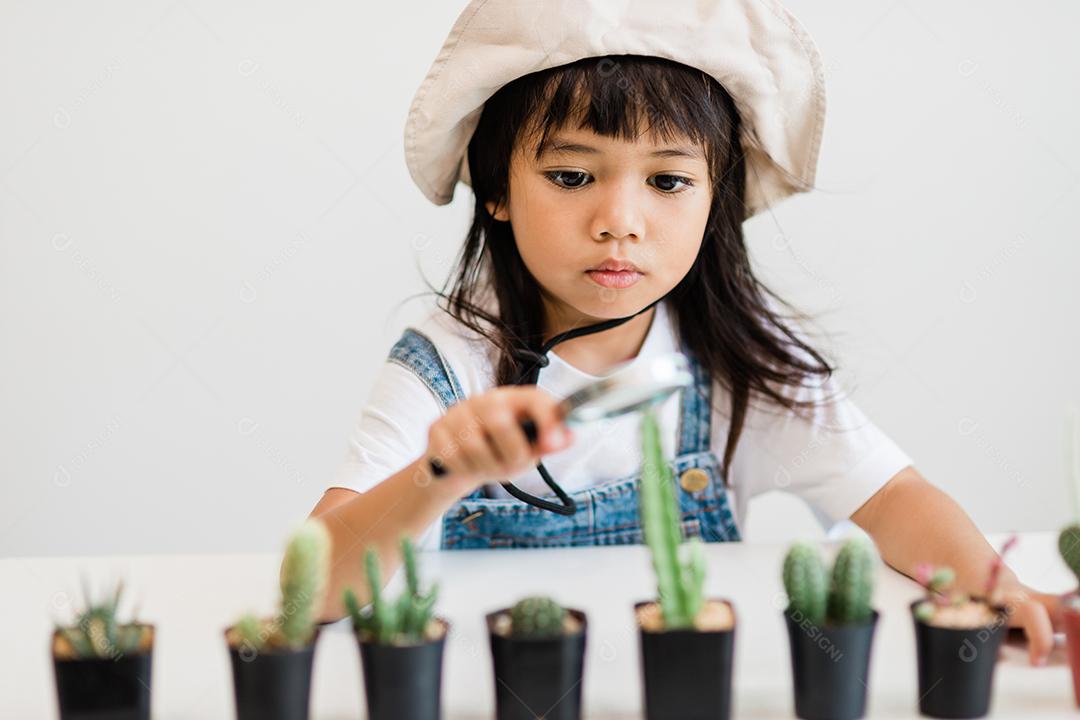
x,y
957,638
538,654
830,629
687,642
272,658
102,667
401,644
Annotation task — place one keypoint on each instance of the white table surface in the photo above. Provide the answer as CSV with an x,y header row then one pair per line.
x,y
191,598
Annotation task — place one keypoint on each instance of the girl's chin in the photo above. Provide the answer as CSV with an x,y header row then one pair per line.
x,y
608,304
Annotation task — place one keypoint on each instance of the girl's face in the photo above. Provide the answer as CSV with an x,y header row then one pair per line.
x,y
592,202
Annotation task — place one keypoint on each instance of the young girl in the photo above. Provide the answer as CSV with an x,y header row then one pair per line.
x,y
614,151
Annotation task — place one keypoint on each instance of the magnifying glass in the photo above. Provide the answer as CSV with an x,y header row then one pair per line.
x,y
629,386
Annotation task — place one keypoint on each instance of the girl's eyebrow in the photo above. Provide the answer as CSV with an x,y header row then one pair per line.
x,y
557,146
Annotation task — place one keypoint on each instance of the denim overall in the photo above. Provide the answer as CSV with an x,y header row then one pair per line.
x,y
607,514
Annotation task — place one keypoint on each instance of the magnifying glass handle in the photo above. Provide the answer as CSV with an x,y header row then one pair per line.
x,y
527,426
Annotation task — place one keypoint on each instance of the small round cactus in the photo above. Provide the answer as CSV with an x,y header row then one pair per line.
x,y
1069,547
537,617
852,583
804,581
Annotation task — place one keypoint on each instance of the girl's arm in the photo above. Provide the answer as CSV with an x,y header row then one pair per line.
x,y
912,521
405,503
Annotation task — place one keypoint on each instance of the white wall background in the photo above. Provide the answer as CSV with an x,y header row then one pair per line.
x,y
207,231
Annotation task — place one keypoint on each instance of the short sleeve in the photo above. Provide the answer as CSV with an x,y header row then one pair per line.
x,y
391,431
831,455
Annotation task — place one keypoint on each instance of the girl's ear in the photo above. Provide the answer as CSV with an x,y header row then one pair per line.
x,y
498,211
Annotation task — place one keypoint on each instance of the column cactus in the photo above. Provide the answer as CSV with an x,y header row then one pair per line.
x,y
804,582
304,573
680,583
840,597
852,583
537,617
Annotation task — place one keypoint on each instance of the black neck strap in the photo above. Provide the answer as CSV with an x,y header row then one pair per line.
x,y
536,361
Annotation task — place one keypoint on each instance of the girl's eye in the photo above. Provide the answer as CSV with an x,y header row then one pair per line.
x,y
571,179
663,181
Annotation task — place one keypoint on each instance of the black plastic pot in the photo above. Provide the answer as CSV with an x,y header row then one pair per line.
x,y
687,673
100,688
272,684
956,667
538,677
830,667
403,682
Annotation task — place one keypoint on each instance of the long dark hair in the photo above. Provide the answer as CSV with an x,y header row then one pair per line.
x,y
721,311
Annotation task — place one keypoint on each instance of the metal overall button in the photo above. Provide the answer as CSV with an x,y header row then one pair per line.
x,y
694,480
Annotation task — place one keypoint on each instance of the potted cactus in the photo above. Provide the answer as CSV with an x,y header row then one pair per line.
x,y
538,651
102,667
957,638
687,641
830,628
1069,547
401,644
272,657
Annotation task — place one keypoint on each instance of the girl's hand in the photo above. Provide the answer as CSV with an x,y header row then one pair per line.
x,y
480,439
1039,614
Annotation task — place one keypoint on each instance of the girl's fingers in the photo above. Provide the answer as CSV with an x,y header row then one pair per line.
x,y
509,441
543,410
477,452
1032,615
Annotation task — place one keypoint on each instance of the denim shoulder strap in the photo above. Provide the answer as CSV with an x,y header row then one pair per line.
x,y
695,420
415,352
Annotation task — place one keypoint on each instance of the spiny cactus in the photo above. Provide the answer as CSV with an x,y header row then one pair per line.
x,y
804,582
304,573
680,584
938,582
97,633
1069,547
537,617
845,598
401,622
852,583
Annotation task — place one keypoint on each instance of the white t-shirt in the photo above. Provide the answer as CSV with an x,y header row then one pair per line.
x,y
835,458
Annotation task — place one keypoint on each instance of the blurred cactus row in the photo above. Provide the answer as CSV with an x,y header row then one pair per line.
x,y
841,599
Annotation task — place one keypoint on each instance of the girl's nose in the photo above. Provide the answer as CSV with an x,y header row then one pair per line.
x,y
618,212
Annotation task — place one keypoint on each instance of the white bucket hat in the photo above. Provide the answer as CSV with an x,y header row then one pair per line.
x,y
755,49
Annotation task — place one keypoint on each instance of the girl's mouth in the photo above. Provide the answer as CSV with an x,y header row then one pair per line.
x,y
614,278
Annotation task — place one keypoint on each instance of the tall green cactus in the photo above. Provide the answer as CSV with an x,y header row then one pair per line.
x,y
537,617
401,622
852,583
846,596
680,584
1069,547
304,574
804,582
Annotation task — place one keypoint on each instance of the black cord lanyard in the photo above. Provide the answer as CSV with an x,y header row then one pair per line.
x,y
539,359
